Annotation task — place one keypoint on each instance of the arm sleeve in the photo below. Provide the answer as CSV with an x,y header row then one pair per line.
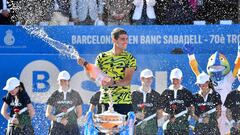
x,y
26,98
134,102
51,100
132,62
228,102
6,99
95,99
79,100
98,61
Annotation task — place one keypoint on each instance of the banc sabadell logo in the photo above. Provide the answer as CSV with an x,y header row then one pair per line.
x,y
40,80
9,39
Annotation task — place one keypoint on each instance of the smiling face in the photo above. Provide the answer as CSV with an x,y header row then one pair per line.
x,y
122,41
218,66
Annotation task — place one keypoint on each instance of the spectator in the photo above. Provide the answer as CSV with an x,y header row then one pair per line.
x,y
60,12
161,9
86,12
228,10
28,11
178,12
7,16
144,13
118,11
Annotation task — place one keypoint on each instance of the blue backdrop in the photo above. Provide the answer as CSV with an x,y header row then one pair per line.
x,y
37,64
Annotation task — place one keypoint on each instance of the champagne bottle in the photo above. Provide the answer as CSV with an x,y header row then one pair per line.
x,y
95,73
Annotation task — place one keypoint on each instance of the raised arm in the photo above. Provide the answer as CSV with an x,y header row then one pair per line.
x,y
191,57
237,62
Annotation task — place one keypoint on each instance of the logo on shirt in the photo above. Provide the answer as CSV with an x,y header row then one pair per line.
x,y
206,104
237,103
64,102
15,104
177,101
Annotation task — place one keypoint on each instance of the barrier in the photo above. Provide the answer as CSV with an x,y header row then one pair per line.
x,y
37,64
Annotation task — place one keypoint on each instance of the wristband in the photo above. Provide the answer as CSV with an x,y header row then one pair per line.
x,y
85,63
58,120
200,120
114,82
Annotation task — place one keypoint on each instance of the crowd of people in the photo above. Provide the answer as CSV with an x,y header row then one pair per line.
x,y
170,110
117,12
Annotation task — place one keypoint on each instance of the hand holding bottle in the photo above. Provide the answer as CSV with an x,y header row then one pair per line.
x,y
95,73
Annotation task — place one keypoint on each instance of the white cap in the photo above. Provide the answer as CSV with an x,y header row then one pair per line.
x,y
202,78
11,84
63,75
146,73
176,73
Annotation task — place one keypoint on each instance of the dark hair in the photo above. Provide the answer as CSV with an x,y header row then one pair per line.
x,y
116,32
210,84
21,88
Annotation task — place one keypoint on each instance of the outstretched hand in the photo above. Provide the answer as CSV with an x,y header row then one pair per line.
x,y
188,48
80,61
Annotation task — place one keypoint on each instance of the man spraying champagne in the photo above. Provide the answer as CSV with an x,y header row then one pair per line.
x,y
119,65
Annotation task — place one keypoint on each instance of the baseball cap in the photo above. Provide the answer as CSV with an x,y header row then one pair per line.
x,y
146,73
11,84
63,75
176,73
202,78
